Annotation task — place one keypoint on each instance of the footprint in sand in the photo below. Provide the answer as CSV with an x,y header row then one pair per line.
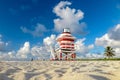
x,y
60,72
48,77
97,70
3,76
98,77
28,76
83,65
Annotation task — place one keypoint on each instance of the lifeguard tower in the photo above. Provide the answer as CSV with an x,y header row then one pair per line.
x,y
66,49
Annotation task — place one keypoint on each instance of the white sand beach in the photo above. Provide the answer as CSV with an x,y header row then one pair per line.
x,y
60,70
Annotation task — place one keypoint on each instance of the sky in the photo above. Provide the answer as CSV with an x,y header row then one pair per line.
x,y
29,27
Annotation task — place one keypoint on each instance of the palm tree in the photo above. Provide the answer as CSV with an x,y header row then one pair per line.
x,y
109,52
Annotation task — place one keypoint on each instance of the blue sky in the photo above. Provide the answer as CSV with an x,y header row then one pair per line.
x,y
19,18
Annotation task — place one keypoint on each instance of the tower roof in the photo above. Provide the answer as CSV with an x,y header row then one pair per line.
x,y
65,35
66,30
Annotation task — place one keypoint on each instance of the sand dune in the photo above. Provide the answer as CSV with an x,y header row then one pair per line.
x,y
58,70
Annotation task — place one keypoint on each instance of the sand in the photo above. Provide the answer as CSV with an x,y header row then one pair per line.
x,y
60,70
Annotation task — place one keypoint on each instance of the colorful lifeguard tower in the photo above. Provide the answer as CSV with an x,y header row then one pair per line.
x,y
66,49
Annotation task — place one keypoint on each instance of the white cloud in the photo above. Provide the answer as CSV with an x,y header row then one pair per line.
x,y
82,48
94,55
7,55
117,52
50,41
84,51
43,52
3,45
68,18
40,52
4,54
11,54
106,41
24,51
110,39
38,31
114,33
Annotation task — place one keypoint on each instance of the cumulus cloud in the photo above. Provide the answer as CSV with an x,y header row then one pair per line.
x,y
114,33
117,52
24,51
43,52
40,52
107,40
82,48
50,41
110,39
68,18
37,32
84,51
37,52
12,54
3,45
4,52
4,55
94,55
